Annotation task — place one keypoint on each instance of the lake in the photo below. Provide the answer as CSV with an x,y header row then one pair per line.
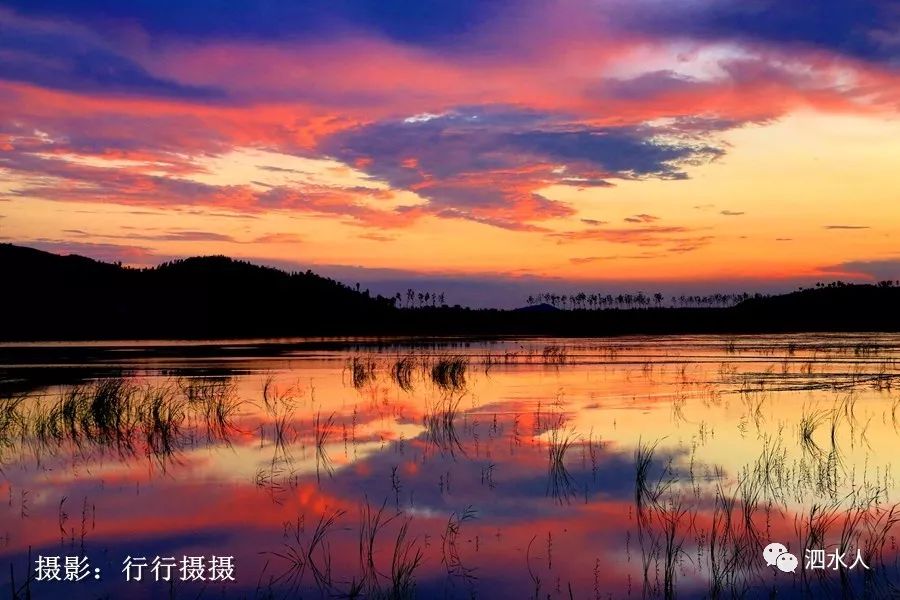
x,y
451,468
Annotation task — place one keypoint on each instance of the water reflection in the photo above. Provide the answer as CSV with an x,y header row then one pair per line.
x,y
537,468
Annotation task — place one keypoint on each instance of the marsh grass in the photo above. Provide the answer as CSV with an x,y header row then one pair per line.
x,y
280,434
733,539
302,555
879,526
560,483
277,398
107,418
449,373
450,555
405,560
771,469
647,491
164,414
10,419
214,400
673,515
362,371
534,577
406,557
268,393
402,372
23,591
323,431
660,520
740,526
554,355
371,522
809,423
105,414
279,403
122,416
306,557
440,425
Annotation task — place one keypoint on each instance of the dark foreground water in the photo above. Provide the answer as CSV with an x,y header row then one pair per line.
x,y
521,468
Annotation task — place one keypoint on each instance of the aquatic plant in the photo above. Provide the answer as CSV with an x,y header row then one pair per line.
x,y
440,425
554,354
302,555
809,422
10,418
450,556
560,483
402,372
322,433
449,373
362,371
405,560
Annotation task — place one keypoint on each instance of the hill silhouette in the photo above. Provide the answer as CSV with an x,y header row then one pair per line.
x,y
47,296
67,297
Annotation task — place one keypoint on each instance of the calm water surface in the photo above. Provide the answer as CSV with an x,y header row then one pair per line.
x,y
521,468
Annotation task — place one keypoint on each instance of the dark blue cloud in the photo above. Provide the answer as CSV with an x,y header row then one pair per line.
x,y
476,140
886,268
861,28
479,157
69,61
435,21
625,152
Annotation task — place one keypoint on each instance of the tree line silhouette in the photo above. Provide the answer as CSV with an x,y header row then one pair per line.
x,y
599,301
416,299
73,297
632,300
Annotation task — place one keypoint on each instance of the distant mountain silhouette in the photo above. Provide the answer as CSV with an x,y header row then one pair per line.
x,y
537,308
47,296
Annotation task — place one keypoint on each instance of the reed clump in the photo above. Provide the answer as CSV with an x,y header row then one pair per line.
x,y
440,425
560,483
402,372
124,416
362,370
10,419
555,355
449,373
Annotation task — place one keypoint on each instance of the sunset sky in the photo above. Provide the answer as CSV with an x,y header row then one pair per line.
x,y
483,149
